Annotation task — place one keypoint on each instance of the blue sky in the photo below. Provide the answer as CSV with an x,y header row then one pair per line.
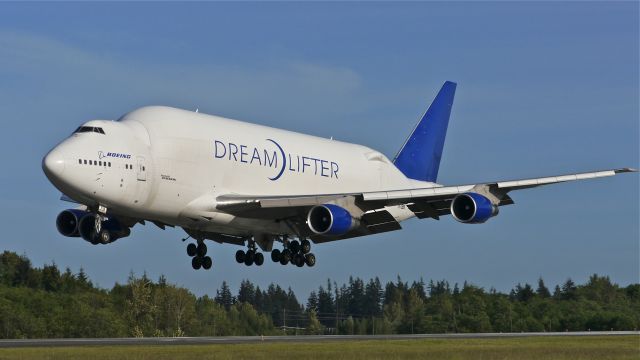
x,y
543,89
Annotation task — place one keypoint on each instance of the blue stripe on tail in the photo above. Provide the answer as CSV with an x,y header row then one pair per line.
x,y
419,157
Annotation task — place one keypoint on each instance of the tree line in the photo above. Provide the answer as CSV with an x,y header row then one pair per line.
x,y
49,303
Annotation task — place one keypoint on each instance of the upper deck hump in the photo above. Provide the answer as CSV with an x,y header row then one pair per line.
x,y
175,122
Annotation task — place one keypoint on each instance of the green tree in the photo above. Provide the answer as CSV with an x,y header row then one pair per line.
x,y
224,296
542,290
139,306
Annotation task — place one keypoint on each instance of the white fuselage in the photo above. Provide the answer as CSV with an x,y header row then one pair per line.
x,y
169,165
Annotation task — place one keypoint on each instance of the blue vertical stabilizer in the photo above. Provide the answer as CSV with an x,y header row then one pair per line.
x,y
419,157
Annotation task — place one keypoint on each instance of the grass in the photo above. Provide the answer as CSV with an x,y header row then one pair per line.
x,y
552,348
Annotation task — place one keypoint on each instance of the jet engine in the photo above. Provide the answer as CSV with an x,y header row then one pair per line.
x,y
472,208
68,222
329,219
111,230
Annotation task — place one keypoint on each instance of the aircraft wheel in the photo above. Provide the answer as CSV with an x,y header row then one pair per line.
x,y
294,246
248,259
207,262
196,263
275,255
310,259
95,238
285,257
259,259
192,249
305,246
105,236
202,249
298,260
240,256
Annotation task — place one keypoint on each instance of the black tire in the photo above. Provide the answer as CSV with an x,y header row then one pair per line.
x,y
240,256
305,246
298,260
287,255
196,263
105,237
275,255
284,260
259,259
310,260
206,263
202,249
95,238
248,259
294,246
192,249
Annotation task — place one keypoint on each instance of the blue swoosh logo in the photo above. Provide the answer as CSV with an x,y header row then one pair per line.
x,y
284,161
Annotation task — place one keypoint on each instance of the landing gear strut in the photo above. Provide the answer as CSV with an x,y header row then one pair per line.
x,y
199,256
100,235
294,252
251,256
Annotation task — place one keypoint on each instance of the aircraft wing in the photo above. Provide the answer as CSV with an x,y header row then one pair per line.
x,y
500,186
431,202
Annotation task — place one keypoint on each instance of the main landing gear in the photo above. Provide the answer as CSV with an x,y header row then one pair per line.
x,y
251,256
294,252
199,256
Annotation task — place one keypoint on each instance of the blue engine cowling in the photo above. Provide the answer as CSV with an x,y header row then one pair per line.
x,y
329,219
472,208
68,222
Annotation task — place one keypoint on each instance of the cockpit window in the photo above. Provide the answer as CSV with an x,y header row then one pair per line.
x,y
83,129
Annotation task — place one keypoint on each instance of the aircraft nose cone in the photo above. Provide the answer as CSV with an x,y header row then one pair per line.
x,y
53,165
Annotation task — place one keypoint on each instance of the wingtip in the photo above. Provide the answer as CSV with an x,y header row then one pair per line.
x,y
625,170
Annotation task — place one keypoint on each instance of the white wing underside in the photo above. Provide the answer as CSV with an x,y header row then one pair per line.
x,y
403,196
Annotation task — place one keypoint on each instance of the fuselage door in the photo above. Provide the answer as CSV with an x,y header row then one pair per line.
x,y
141,169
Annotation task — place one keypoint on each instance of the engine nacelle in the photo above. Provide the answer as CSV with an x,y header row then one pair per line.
x,y
329,219
112,230
68,222
472,208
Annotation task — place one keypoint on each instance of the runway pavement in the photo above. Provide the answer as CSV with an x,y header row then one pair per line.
x,y
288,338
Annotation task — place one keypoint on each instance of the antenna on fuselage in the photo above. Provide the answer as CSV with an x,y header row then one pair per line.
x,y
196,109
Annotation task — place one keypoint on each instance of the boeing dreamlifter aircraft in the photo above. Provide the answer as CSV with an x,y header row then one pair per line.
x,y
250,185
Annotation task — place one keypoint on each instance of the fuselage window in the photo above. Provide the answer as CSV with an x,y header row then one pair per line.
x,y
79,161
90,162
109,163
143,168
85,162
100,163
